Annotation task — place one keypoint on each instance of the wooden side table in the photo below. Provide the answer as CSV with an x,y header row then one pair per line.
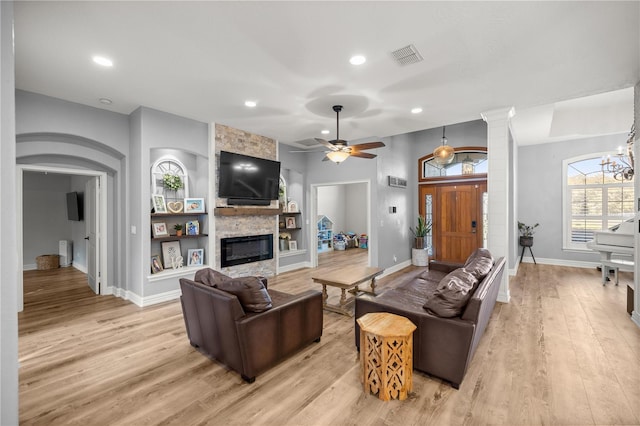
x,y
386,354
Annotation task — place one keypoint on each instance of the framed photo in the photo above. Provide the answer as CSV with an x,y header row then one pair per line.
x,y
194,205
193,227
171,253
291,222
156,264
195,257
293,245
292,207
159,205
159,229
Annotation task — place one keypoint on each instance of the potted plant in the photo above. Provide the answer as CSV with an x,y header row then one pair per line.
x,y
526,234
178,228
284,238
420,231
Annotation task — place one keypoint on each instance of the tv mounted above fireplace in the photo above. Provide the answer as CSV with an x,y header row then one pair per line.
x,y
248,180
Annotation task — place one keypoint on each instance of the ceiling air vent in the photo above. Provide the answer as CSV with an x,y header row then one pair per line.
x,y
406,55
397,182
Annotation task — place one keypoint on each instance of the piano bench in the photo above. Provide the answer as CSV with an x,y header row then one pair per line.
x,y
615,265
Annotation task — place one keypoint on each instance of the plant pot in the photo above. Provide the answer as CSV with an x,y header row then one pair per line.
x,y
420,257
526,241
178,232
284,245
419,243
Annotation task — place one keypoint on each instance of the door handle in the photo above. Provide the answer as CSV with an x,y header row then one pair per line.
x,y
86,238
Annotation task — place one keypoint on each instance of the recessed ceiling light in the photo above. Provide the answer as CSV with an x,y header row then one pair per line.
x,y
357,60
325,132
416,110
250,104
101,60
105,101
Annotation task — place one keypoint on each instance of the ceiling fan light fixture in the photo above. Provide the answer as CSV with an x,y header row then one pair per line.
x,y
337,156
444,154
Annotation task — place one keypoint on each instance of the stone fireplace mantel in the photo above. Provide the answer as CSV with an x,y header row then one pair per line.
x,y
247,211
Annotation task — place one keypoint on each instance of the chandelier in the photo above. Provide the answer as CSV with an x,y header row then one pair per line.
x,y
443,154
622,168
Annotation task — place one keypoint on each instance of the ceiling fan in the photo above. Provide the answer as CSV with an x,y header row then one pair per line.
x,y
340,150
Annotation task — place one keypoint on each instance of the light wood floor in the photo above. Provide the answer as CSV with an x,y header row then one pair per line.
x,y
564,351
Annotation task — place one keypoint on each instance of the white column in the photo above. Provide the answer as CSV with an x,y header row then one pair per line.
x,y
498,189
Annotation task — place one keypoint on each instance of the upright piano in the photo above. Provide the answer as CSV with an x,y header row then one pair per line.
x,y
616,247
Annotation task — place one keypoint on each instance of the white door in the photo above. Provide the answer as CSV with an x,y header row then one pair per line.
x,y
92,224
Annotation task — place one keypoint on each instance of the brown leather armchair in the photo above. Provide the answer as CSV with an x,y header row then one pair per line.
x,y
249,342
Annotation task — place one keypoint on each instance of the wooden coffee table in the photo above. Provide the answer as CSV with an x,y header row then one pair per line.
x,y
346,279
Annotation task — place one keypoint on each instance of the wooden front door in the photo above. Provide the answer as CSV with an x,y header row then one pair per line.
x,y
456,212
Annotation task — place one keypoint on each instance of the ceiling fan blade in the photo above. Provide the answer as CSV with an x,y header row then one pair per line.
x,y
325,158
328,144
368,145
362,154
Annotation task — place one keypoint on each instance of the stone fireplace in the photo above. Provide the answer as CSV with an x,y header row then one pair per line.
x,y
231,227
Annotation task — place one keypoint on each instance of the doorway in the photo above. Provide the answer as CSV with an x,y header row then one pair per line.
x,y
458,213
93,230
362,188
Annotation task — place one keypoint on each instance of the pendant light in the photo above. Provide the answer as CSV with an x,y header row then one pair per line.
x,y
444,154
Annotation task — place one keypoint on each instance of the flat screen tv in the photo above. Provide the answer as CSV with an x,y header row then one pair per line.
x,y
248,180
74,206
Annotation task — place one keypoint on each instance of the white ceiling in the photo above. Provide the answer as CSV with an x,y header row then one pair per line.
x,y
202,60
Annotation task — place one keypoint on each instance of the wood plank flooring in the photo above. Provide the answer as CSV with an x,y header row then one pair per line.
x,y
563,352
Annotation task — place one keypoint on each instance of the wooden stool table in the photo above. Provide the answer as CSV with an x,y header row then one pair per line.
x,y
386,354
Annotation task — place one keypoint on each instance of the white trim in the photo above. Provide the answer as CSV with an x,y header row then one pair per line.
x,y
101,205
395,268
313,212
175,273
29,267
80,267
294,267
149,300
562,262
290,253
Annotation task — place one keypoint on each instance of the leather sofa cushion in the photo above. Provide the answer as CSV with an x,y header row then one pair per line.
x,y
452,294
210,277
250,291
479,263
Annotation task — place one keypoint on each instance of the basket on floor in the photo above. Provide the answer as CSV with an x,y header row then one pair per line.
x,y
48,261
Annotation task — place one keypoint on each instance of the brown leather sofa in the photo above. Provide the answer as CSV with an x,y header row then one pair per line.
x,y
252,329
442,346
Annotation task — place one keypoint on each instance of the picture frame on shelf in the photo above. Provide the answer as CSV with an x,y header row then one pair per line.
x,y
292,207
194,205
293,245
192,227
156,264
171,254
159,229
159,206
291,222
195,257
175,206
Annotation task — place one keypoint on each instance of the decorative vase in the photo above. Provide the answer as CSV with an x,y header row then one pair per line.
x,y
419,242
526,241
420,257
284,245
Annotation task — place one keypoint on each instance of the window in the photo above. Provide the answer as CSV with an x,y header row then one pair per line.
x,y
169,166
594,200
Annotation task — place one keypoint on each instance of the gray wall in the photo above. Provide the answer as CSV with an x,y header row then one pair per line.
x,y
331,203
8,234
540,191
45,220
356,219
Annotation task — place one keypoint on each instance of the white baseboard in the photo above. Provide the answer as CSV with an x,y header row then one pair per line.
x,y
80,267
30,267
395,268
146,301
293,267
562,262
635,317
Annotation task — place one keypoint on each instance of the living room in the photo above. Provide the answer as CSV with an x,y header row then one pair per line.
x,y
52,130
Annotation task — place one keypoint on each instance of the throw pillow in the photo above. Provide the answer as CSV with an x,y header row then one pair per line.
x,y
479,263
452,294
210,277
250,291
